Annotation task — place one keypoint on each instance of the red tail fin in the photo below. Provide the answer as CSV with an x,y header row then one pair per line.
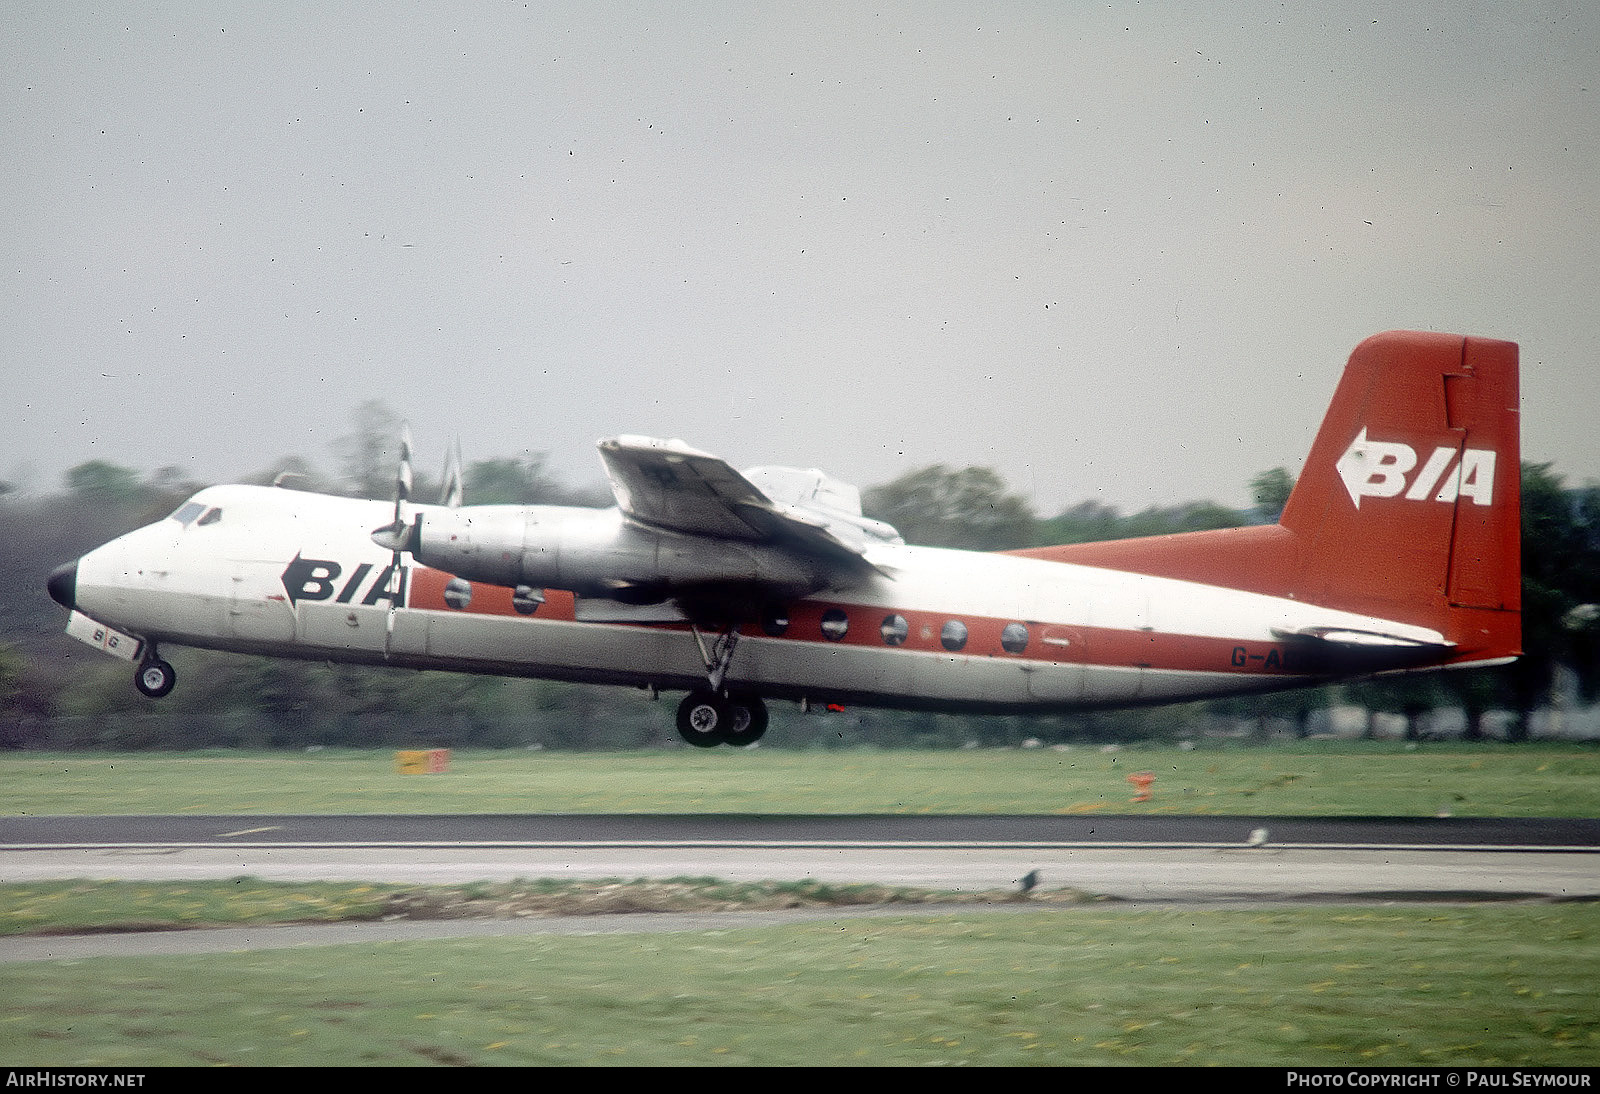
x,y
1408,507
1411,495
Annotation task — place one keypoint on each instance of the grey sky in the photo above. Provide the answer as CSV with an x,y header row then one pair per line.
x,y
1116,251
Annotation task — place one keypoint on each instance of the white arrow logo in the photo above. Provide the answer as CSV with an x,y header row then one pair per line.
x,y
1380,469
1375,469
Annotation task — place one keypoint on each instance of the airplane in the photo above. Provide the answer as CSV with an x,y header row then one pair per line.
x,y
1398,551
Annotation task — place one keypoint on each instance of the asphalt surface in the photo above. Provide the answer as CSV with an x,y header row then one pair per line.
x,y
487,830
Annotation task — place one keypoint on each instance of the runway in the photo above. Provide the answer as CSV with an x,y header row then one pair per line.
x,y
1168,858
1134,861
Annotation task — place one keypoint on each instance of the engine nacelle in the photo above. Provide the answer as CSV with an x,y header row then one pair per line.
x,y
594,552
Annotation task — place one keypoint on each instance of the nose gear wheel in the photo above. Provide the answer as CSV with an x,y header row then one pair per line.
x,y
154,677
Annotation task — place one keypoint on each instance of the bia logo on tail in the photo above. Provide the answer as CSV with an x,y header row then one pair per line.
x,y
1382,469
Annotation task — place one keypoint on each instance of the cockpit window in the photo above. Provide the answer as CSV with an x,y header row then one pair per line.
x,y
192,512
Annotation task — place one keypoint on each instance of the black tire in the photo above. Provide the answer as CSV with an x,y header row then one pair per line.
x,y
155,678
704,719
749,720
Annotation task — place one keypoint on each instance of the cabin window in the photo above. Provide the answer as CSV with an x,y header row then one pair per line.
x,y
894,629
526,599
210,516
1014,639
835,624
186,512
775,622
953,636
458,593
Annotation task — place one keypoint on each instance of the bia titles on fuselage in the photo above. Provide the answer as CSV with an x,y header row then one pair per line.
x,y
1398,551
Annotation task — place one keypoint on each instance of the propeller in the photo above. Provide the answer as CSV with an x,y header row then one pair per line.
x,y
397,536
452,490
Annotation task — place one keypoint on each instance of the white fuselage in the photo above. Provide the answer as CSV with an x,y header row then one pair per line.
x,y
290,574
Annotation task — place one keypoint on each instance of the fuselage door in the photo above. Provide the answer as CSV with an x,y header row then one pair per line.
x,y
1059,675
252,554
257,606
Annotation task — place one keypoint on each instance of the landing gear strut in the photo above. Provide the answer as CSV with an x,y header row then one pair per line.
x,y
713,716
154,677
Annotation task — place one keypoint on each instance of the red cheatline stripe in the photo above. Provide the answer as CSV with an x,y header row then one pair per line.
x,y
1072,644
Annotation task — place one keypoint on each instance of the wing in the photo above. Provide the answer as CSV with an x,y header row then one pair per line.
x,y
669,485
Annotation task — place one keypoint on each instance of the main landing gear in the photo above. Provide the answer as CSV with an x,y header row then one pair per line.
x,y
714,715
707,719
154,677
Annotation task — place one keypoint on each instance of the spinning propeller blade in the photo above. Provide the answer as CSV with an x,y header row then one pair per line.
x,y
397,535
453,489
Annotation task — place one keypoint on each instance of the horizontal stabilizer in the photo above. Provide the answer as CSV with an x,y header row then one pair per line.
x,y
1338,652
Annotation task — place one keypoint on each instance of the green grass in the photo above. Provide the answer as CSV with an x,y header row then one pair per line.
x,y
77,906
1308,779
1315,986
64,907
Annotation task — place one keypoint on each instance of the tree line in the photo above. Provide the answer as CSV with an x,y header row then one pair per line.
x,y
56,693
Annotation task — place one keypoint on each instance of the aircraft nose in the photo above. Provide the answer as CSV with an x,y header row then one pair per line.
x,y
63,585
